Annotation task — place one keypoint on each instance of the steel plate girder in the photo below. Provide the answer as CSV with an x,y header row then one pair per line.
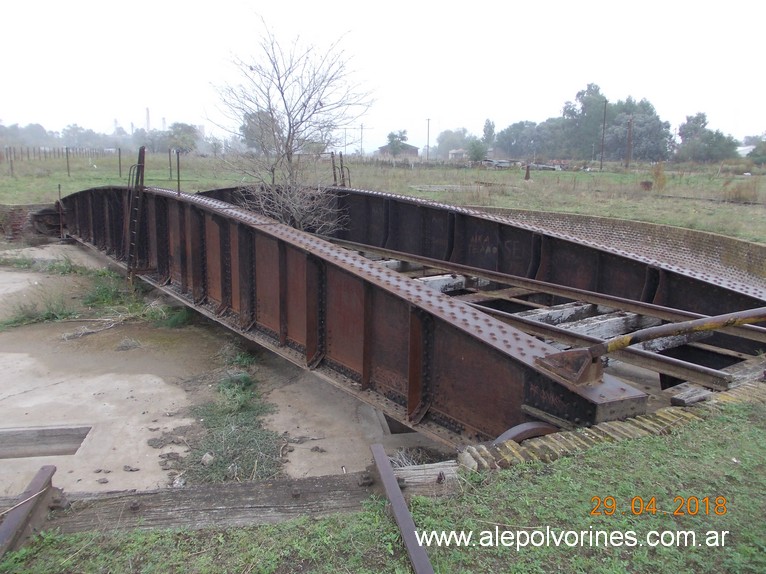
x,y
443,362
484,241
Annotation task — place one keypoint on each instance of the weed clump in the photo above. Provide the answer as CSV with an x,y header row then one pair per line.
x,y
235,393
49,308
63,266
107,290
235,445
741,191
174,317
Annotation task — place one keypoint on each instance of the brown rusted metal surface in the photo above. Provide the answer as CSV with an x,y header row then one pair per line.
x,y
481,240
524,431
673,364
429,361
417,554
458,371
749,332
582,366
26,517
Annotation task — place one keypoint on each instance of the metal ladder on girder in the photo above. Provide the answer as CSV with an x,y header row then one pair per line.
x,y
135,201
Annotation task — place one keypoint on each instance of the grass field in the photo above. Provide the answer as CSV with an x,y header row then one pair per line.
x,y
717,198
719,458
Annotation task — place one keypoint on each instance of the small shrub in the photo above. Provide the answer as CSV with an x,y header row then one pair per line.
x,y
63,266
49,308
242,449
23,314
242,360
235,392
17,262
170,317
232,355
741,192
106,291
55,309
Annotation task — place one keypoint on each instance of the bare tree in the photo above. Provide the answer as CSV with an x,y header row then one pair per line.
x,y
290,105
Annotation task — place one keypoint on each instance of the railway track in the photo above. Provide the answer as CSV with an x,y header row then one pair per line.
x,y
455,323
588,318
445,319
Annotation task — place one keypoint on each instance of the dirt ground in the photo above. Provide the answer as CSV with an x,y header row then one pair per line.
x,y
134,382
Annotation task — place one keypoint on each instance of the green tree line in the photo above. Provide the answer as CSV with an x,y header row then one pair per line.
x,y
590,126
181,136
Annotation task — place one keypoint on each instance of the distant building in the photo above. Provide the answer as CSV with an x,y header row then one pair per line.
x,y
744,150
406,150
458,154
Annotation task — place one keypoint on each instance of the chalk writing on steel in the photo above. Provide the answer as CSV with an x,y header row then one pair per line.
x,y
481,244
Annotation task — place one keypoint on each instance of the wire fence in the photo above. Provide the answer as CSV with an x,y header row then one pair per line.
x,y
36,153
11,155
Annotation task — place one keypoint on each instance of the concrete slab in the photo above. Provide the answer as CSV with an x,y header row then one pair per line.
x,y
329,431
127,397
132,393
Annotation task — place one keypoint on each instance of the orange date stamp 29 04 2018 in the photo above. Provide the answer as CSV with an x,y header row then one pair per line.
x,y
682,506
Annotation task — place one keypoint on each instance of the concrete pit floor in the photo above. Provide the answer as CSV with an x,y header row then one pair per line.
x,y
133,382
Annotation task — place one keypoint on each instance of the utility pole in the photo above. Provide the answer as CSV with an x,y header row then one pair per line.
x,y
428,138
603,133
629,154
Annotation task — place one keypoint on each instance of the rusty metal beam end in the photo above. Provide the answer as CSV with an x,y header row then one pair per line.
x,y
418,557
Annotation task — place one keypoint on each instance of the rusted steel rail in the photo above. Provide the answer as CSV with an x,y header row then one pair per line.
x,y
417,554
465,237
26,517
484,241
424,359
584,365
518,254
481,240
557,291
669,367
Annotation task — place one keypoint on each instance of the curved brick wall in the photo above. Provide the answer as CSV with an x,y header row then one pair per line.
x,y
15,220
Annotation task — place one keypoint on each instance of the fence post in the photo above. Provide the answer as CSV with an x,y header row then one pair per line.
x,y
178,168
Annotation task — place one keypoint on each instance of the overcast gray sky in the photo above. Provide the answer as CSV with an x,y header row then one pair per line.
x,y
93,63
